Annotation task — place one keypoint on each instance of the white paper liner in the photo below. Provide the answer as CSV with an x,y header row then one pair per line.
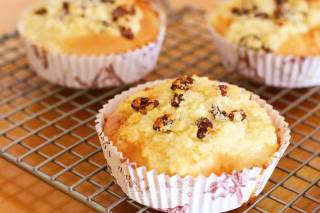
x,y
187,194
268,68
91,71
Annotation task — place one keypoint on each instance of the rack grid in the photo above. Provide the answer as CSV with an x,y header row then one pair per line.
x,y
49,130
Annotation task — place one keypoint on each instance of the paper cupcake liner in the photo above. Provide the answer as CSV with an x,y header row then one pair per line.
x,y
90,71
268,68
187,194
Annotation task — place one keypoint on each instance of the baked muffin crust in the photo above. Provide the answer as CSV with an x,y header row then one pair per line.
x,y
215,128
91,27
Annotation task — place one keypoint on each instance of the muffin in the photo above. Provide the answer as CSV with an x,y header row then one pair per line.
x,y
89,44
274,42
191,143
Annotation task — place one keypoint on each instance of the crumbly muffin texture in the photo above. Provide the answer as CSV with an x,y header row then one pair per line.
x,y
59,24
289,27
192,126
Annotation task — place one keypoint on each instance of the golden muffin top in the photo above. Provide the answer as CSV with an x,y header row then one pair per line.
x,y
193,126
268,25
53,23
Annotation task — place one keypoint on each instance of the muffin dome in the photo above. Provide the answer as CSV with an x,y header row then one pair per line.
x,y
91,27
191,126
289,27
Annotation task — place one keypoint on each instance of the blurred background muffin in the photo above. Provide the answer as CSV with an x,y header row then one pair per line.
x,y
280,40
89,44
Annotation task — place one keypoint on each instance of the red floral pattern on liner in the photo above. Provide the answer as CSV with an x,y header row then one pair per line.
x,y
142,185
101,136
133,165
123,160
244,63
229,186
177,209
105,74
105,145
137,185
42,55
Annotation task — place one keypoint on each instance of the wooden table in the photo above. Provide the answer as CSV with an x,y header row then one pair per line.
x,y
20,191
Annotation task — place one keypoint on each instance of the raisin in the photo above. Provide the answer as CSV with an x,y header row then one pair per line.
x,y
235,11
105,23
237,115
108,1
253,39
176,100
231,116
278,14
280,2
66,7
41,11
122,11
144,104
266,49
262,15
223,89
163,123
118,12
126,32
218,113
240,12
280,10
204,126
182,83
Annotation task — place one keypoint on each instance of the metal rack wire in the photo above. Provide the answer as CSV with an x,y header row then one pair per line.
x,y
49,130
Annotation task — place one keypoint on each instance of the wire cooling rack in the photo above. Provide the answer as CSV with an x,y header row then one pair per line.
x,y
49,130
